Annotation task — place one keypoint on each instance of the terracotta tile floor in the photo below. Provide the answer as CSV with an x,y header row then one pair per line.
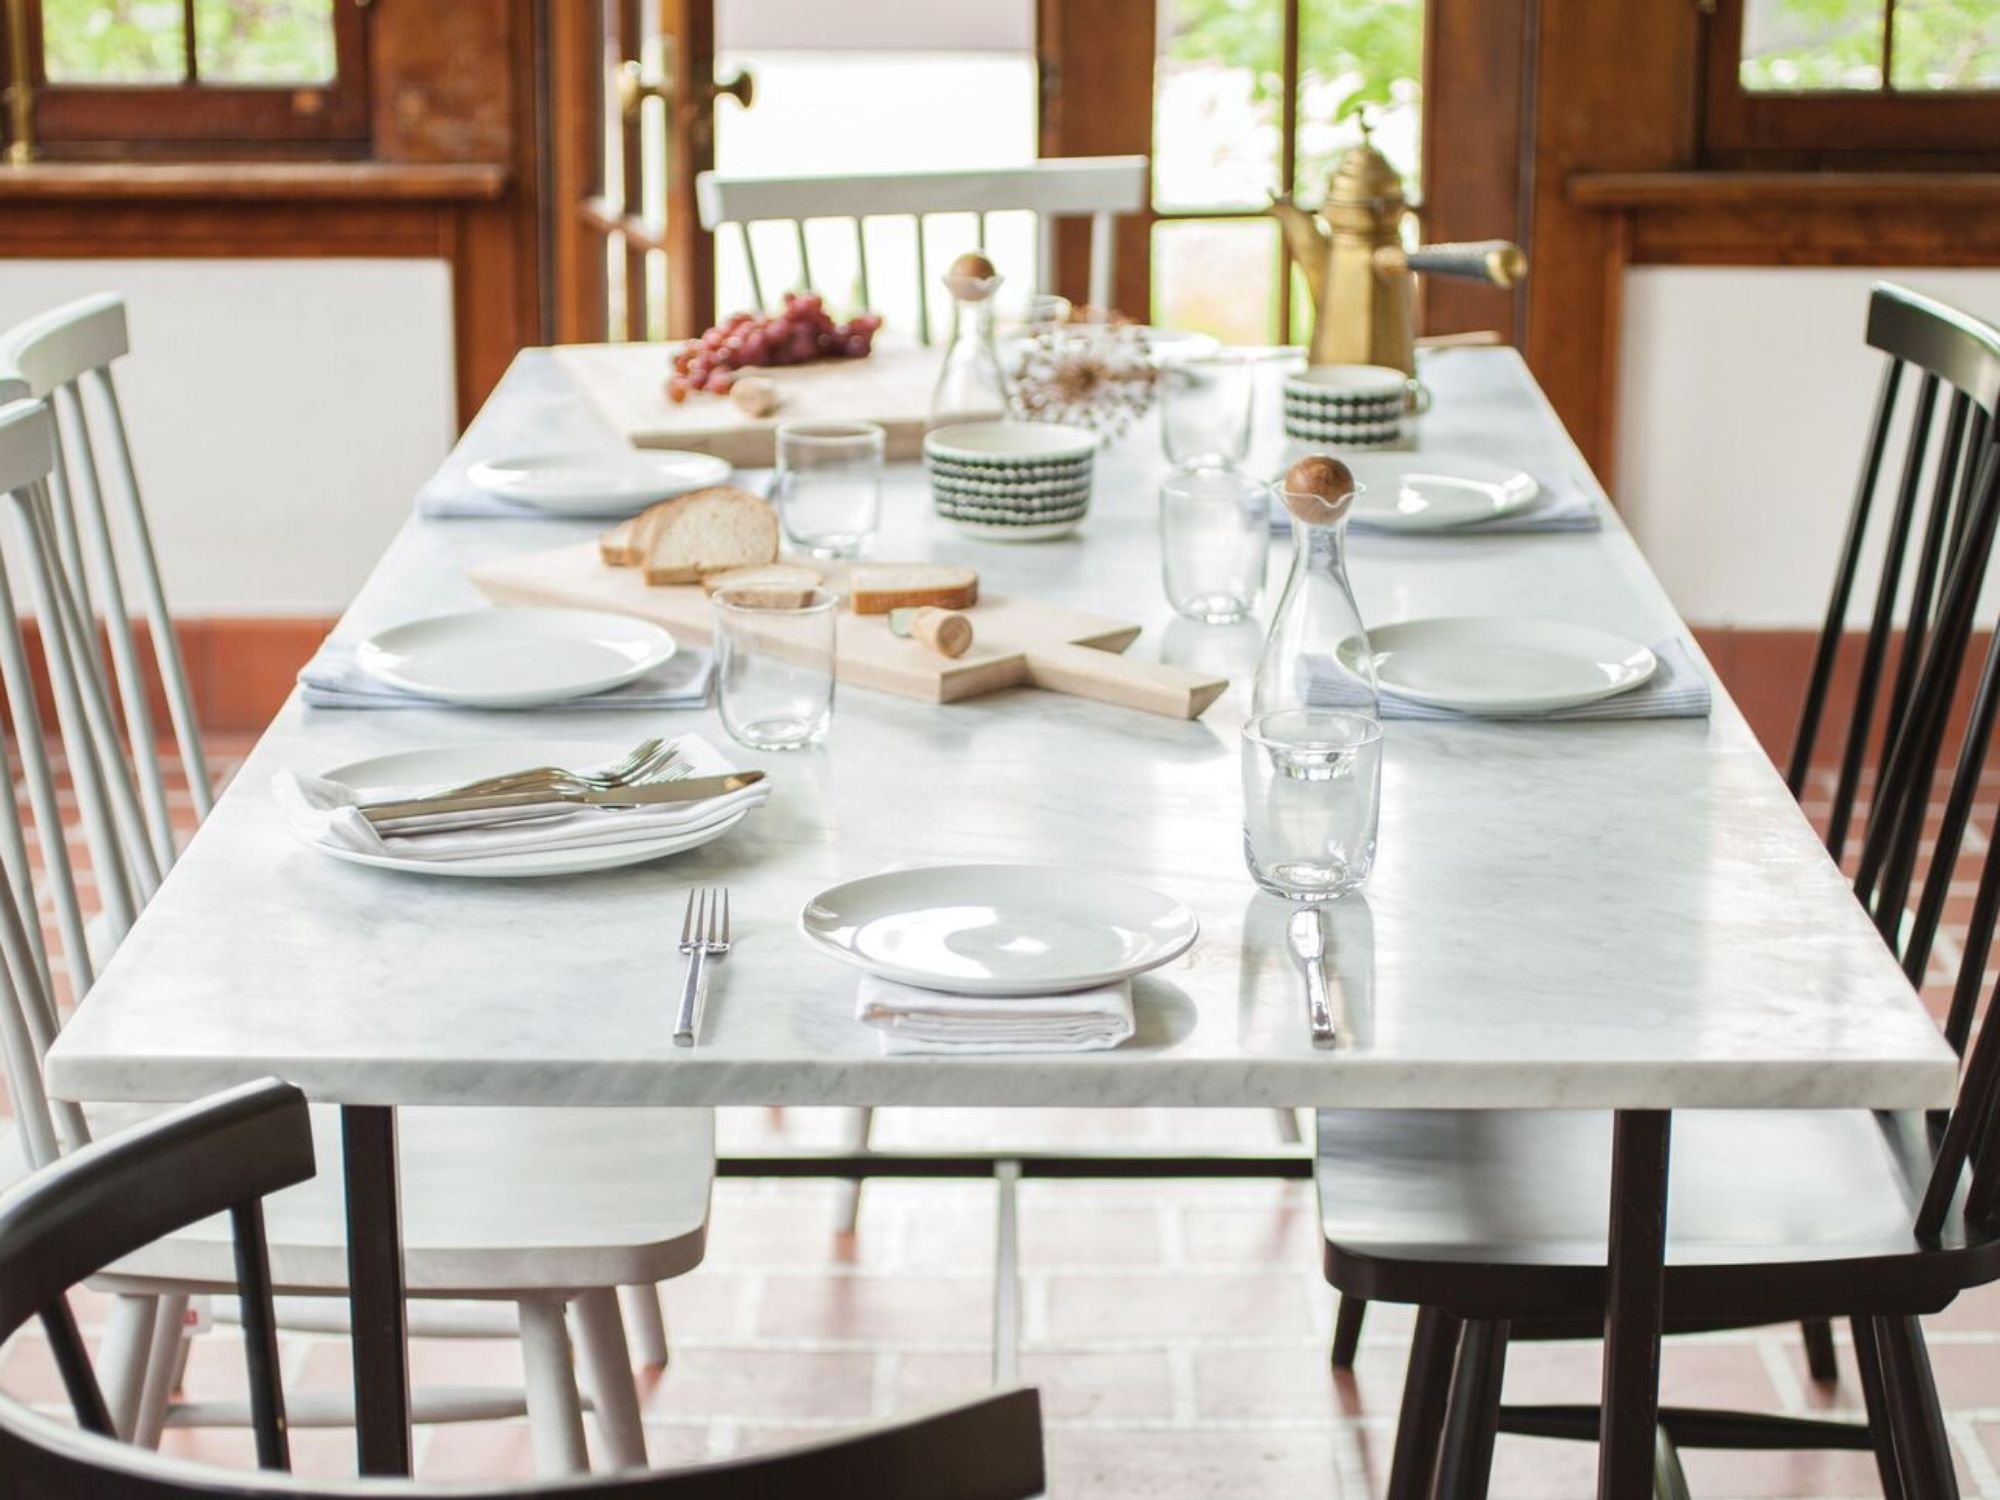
x,y
1178,1332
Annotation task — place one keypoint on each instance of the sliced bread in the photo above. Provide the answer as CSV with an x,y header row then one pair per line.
x,y
877,588
710,531
626,544
791,576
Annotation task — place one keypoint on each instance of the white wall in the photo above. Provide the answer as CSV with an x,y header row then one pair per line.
x,y
282,413
1744,397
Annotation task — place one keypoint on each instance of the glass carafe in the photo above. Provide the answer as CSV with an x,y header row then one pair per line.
x,y
1317,653
971,387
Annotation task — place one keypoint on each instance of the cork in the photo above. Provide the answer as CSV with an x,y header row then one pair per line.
x,y
945,631
1318,490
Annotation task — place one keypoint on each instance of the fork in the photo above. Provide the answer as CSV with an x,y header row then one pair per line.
x,y
642,760
704,935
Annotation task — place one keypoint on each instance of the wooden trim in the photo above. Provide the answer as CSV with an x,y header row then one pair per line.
x,y
575,141
246,182
690,254
1096,59
1782,189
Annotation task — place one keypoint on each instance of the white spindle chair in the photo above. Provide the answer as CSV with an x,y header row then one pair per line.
x,y
1095,187
65,355
551,1210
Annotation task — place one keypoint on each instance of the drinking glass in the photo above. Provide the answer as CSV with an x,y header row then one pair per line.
x,y
1205,410
829,485
1215,537
1312,794
1045,311
774,665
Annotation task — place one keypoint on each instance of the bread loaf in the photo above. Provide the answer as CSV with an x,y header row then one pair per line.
x,y
709,531
877,588
771,575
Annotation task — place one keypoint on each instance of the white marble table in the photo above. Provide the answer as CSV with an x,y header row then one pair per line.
x,y
1631,916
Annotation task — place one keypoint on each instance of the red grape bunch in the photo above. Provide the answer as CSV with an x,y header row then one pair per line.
x,y
799,331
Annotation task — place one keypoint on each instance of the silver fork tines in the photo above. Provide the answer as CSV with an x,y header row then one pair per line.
x,y
704,935
642,760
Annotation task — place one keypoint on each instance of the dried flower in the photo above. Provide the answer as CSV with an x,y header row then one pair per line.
x,y
1098,375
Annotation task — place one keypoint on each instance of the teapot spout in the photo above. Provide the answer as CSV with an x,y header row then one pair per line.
x,y
1305,241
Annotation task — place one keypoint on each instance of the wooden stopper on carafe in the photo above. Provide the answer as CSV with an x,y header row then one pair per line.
x,y
1318,489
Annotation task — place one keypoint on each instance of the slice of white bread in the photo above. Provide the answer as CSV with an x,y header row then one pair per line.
x,y
626,544
710,531
877,588
789,576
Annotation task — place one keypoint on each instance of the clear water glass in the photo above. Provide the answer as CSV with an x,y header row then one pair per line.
x,y
829,485
774,652
1215,538
1205,407
1312,797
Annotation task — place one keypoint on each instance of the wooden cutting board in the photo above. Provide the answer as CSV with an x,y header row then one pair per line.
x,y
628,383
1017,641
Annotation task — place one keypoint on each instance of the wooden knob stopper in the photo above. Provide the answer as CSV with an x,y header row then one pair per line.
x,y
944,631
1318,489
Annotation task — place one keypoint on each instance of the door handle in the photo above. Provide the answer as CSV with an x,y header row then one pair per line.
x,y
636,86
742,88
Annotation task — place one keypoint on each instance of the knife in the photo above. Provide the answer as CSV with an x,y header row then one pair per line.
x,y
687,789
1308,939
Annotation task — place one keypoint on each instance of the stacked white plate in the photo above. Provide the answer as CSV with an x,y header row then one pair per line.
x,y
515,658
612,483
1011,481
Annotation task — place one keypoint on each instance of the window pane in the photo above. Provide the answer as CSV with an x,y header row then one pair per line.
x,y
125,41
1946,44
1217,276
1799,45
1353,55
1217,98
264,41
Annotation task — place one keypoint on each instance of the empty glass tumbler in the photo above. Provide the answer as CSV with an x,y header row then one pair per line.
x,y
829,485
1205,407
774,654
1215,539
1312,794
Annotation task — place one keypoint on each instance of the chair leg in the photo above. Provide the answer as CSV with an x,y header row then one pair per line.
x,y
124,1357
1288,1126
1874,1394
1472,1420
1426,1390
1347,1330
555,1410
163,1362
645,1325
1922,1450
1821,1363
848,1215
607,1364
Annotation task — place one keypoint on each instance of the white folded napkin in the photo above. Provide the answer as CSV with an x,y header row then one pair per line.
x,y
334,679
1563,505
1678,689
323,812
912,1020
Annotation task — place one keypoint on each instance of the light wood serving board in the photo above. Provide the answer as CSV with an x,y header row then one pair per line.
x,y
628,383
1016,642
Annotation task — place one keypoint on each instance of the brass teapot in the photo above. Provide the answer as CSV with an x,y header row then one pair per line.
x,y
1361,278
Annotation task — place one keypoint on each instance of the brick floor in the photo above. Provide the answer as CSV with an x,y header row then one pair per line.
x,y
1178,1331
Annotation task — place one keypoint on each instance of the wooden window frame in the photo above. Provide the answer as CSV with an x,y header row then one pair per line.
x,y
1742,126
148,120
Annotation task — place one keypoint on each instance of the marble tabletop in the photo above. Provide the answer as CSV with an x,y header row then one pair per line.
x,y
1601,914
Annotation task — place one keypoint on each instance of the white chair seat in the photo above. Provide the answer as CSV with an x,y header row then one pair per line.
x,y
497,1202
1510,1188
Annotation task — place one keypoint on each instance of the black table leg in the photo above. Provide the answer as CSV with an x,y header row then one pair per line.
x,y
1634,1299
375,1290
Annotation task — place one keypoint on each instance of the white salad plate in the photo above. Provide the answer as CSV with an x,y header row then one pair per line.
x,y
998,929
514,658
1436,491
413,771
1497,665
609,483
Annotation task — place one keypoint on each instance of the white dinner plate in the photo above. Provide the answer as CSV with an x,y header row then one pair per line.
x,y
382,776
613,482
998,929
515,658
1497,665
1436,491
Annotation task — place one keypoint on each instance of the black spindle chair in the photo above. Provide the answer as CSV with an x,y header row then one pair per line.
x,y
224,1155
1777,1215
1929,544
